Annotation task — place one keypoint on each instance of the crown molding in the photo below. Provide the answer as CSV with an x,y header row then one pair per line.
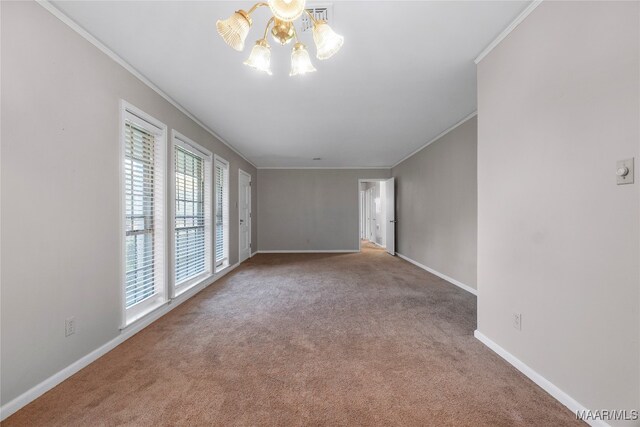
x,y
440,135
119,60
322,167
508,30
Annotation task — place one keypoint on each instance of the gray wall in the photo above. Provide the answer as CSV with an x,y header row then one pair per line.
x,y
436,204
60,192
558,240
310,209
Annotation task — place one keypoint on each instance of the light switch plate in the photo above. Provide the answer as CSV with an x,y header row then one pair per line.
x,y
628,178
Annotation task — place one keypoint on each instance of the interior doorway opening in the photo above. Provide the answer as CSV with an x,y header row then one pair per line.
x,y
376,198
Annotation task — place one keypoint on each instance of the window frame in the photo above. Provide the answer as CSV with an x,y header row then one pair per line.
x,y
179,140
139,310
224,263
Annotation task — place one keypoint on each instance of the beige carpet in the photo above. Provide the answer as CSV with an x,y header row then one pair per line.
x,y
306,339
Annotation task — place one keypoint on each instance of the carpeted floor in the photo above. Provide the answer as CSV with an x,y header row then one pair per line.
x,y
306,339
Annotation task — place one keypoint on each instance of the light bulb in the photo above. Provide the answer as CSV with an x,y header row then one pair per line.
x,y
260,57
327,41
287,10
300,61
234,29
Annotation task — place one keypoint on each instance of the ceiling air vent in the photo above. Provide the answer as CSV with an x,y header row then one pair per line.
x,y
322,12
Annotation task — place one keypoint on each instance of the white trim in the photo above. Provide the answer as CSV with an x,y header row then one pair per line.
x,y
440,135
179,140
534,376
188,143
224,272
360,181
191,283
530,8
136,312
39,389
123,216
440,275
144,309
132,109
114,56
221,160
247,174
254,254
327,167
311,251
225,261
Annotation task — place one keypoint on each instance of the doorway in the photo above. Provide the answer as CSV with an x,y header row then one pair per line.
x,y
244,213
376,198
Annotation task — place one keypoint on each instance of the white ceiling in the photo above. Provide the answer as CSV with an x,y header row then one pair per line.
x,y
404,75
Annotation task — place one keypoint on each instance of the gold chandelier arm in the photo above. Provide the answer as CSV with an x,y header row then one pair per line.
x,y
313,19
267,27
255,6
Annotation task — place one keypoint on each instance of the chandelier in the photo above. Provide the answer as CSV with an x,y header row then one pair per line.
x,y
234,31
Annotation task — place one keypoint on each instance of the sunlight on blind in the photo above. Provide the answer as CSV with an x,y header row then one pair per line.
x,y
139,163
222,213
190,233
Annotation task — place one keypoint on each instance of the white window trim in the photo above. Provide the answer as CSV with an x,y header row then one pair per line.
x,y
219,267
177,139
140,310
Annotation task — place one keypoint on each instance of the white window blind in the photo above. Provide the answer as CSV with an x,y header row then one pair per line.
x,y
192,212
222,213
144,213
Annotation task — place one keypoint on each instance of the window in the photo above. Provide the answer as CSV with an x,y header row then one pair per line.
x,y
192,208
143,141
222,213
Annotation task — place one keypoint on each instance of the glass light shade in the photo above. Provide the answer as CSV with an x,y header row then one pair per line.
x,y
287,10
234,29
300,61
260,57
327,41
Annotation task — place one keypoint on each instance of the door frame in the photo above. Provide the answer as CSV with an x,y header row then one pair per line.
x,y
360,181
247,174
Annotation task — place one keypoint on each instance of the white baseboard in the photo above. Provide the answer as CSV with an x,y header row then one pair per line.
x,y
294,251
440,275
46,385
541,381
254,254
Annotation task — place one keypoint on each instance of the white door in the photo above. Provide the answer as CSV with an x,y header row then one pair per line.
x,y
244,208
390,206
362,216
367,214
372,219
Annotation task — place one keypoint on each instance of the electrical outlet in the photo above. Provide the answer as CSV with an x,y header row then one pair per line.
x,y
69,326
517,321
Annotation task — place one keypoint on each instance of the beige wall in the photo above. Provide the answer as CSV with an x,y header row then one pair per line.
x,y
60,192
558,240
310,209
436,204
